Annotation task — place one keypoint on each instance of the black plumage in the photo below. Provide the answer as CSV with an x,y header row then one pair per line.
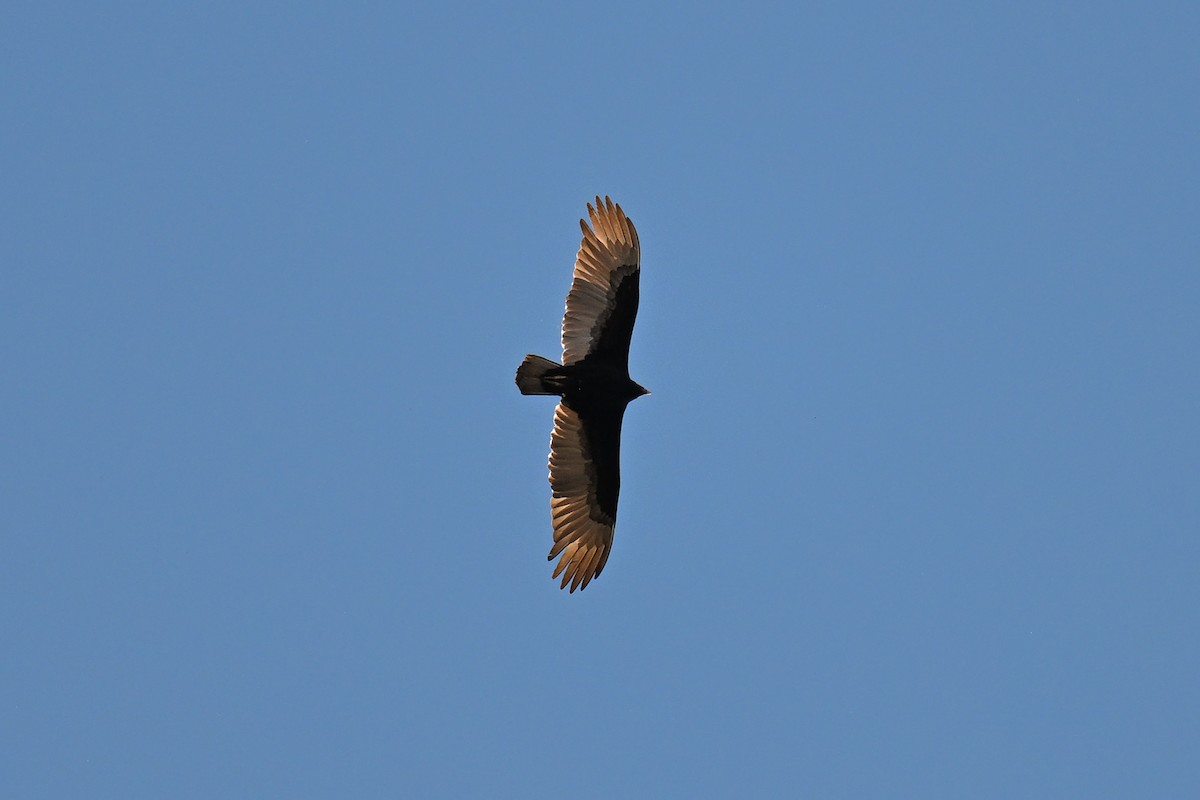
x,y
593,382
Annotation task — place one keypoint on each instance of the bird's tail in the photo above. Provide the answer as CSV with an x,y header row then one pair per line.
x,y
531,372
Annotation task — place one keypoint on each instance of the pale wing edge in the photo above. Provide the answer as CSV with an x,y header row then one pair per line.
x,y
582,532
608,252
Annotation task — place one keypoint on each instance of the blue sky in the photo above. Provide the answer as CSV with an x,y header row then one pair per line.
x,y
911,512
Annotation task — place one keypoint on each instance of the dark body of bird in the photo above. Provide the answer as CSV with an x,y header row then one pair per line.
x,y
593,382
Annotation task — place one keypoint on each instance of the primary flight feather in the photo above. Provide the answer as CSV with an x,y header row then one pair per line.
x,y
593,382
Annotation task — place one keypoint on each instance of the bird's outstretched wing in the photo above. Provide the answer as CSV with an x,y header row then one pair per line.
x,y
603,301
585,480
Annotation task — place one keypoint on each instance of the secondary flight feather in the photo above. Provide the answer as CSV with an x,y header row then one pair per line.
x,y
594,386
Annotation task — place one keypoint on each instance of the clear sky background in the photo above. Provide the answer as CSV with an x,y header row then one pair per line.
x,y
912,512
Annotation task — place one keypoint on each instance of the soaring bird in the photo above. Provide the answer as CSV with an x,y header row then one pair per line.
x,y
593,382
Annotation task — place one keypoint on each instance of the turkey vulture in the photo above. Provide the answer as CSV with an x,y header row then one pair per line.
x,y
593,382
